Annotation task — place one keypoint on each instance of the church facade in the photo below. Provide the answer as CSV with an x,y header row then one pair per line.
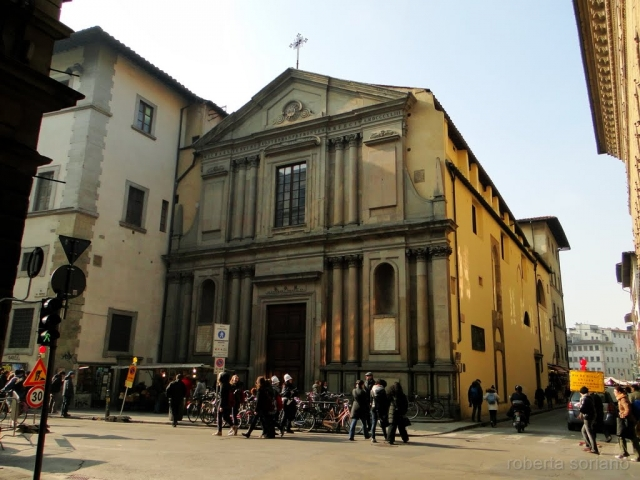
x,y
341,227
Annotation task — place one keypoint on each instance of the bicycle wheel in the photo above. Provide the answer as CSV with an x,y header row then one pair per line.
x,y
329,423
412,411
345,424
436,411
208,414
192,412
4,409
24,411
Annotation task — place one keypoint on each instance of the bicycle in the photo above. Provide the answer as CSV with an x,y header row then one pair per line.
x,y
5,409
203,408
340,422
426,405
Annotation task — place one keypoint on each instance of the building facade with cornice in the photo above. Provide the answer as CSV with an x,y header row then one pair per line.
x,y
609,33
111,181
340,227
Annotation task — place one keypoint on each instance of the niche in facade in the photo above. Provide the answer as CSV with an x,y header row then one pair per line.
x,y
540,294
384,309
204,332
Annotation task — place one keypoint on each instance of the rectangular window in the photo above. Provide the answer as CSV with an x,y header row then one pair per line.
x,y
24,263
164,212
291,186
120,333
21,328
474,220
145,117
135,201
477,338
42,198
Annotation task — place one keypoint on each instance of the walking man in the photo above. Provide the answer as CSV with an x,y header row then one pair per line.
x,y
56,392
475,400
588,412
176,391
67,393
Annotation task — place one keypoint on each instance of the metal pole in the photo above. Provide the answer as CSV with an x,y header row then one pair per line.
x,y
107,410
124,399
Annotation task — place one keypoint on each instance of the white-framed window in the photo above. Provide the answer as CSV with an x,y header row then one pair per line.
x,y
20,336
145,116
43,191
134,210
24,261
119,337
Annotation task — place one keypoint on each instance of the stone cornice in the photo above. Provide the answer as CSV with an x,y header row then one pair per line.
x,y
603,54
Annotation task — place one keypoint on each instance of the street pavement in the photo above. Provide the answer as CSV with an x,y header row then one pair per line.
x,y
147,447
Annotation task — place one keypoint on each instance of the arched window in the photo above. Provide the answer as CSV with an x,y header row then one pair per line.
x,y
527,322
207,299
384,290
540,294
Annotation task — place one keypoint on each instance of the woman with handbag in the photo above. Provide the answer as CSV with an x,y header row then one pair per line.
x,y
626,425
398,406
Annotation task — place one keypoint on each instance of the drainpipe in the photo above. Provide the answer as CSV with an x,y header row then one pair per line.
x,y
173,207
535,277
455,244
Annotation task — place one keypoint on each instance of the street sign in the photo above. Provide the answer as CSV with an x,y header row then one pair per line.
x,y
68,281
218,365
221,332
220,348
38,375
594,381
35,397
131,376
73,247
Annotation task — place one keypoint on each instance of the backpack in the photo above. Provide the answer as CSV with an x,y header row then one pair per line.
x,y
491,398
635,408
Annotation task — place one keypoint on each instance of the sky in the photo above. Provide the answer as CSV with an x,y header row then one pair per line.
x,y
508,73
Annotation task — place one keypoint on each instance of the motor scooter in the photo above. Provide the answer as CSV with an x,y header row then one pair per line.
x,y
519,416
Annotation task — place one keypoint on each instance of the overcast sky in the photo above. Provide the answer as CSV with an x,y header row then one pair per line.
x,y
508,73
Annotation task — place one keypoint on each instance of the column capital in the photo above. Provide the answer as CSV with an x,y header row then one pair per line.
x,y
352,139
234,272
247,270
420,253
353,260
335,262
443,250
253,161
338,142
239,163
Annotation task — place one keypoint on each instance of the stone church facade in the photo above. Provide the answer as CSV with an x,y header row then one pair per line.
x,y
318,227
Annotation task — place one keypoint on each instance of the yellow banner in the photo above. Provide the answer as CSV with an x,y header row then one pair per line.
x,y
594,381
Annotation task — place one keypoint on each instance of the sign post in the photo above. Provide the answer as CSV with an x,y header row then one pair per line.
x,y
128,383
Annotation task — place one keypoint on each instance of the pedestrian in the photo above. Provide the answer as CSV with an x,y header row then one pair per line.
x,y
227,402
369,382
4,378
398,406
634,399
56,392
588,414
325,387
176,393
599,423
316,390
359,409
263,409
539,397
290,407
67,393
188,385
475,400
15,388
379,409
199,392
492,398
239,398
626,424
270,430
549,393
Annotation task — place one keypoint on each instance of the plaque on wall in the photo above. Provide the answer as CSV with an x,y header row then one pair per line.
x,y
204,338
384,334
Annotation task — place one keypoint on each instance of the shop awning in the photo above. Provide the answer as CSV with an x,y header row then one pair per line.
x,y
557,368
165,366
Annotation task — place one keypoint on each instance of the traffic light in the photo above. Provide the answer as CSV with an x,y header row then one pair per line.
x,y
49,321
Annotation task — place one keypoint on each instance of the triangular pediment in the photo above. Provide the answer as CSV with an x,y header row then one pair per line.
x,y
295,97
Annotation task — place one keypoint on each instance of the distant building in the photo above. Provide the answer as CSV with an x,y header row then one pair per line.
x,y
608,350
112,181
340,227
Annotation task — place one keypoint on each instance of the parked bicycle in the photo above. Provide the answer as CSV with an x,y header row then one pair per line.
x,y
6,402
203,408
426,405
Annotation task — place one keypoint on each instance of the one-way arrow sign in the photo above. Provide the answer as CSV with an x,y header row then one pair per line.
x,y
73,247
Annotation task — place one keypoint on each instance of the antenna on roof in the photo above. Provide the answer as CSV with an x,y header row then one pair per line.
x,y
297,45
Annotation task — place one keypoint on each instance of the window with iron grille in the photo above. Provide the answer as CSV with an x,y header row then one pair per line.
x,y
135,206
42,199
21,328
145,117
120,333
290,194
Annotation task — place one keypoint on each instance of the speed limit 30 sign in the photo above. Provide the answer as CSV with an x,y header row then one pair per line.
x,y
35,397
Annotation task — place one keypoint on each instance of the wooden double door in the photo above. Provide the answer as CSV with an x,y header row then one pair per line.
x,y
286,337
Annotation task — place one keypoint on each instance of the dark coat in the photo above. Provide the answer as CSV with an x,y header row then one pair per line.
x,y
368,385
587,408
290,407
475,394
264,400
360,407
67,389
225,390
176,390
398,403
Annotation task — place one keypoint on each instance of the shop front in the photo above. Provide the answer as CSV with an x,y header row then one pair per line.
x,y
559,380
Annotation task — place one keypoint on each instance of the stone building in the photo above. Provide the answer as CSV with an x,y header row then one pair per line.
x,y
340,227
112,181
